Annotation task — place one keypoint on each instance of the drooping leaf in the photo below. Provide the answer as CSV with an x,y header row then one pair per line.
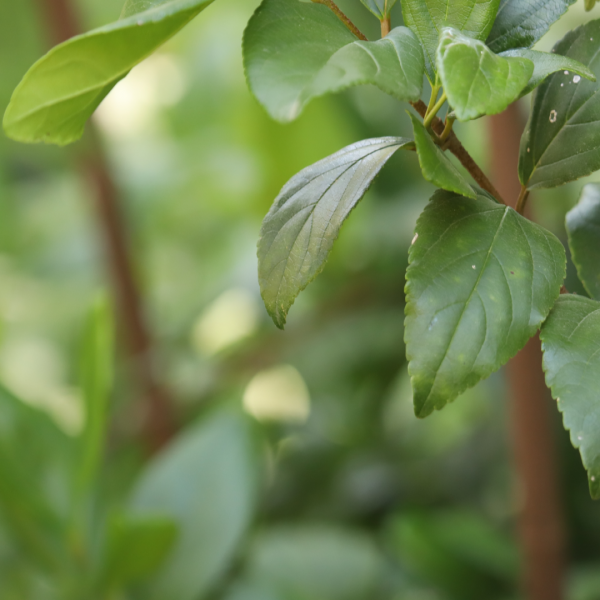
x,y
206,481
583,228
521,23
435,166
546,63
477,81
294,52
589,4
480,282
380,8
305,219
570,341
61,91
562,140
427,18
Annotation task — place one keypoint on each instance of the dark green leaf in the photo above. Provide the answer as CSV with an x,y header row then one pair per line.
x,y
435,166
570,340
562,139
546,63
305,219
207,482
61,91
477,81
380,8
583,227
427,18
294,52
481,281
521,23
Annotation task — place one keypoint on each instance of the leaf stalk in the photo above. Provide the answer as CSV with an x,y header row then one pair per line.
x,y
522,201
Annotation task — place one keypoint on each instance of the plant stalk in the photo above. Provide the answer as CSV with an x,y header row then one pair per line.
x,y
522,200
343,18
386,27
434,111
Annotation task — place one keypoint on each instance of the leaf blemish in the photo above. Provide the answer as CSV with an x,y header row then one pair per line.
x,y
553,116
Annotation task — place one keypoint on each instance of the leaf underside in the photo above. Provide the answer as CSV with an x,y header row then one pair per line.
x,y
480,282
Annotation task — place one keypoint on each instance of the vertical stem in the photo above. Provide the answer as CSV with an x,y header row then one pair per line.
x,y
61,21
386,27
541,525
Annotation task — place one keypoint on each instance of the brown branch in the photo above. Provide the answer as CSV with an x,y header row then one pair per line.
x,y
455,146
343,18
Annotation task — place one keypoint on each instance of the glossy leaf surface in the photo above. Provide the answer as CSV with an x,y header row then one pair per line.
x,y
427,18
294,52
207,482
477,81
62,90
521,23
571,344
480,282
435,166
583,228
380,8
546,63
562,140
305,219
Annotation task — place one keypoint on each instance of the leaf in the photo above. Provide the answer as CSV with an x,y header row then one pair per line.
x,y
562,140
427,18
206,481
572,366
546,63
589,4
477,81
583,228
62,89
380,8
480,282
305,219
294,52
435,166
136,547
521,23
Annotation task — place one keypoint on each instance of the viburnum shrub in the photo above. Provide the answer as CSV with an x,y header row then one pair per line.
x,y
482,279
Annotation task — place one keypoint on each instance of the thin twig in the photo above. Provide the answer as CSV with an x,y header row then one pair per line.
x,y
343,18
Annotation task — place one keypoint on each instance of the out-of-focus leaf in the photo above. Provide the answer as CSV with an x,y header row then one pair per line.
x,y
546,63
589,4
572,365
380,8
427,18
61,91
477,81
435,166
305,219
294,52
583,228
481,280
521,23
562,140
206,481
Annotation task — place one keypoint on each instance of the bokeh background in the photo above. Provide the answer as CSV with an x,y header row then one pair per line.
x,y
340,493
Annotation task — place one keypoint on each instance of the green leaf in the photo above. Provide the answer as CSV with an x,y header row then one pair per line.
x,y
583,228
546,63
562,140
427,18
589,4
61,91
207,482
521,23
380,8
572,366
481,280
435,166
136,547
305,219
477,81
294,52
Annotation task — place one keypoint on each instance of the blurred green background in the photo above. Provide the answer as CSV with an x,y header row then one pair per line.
x,y
301,472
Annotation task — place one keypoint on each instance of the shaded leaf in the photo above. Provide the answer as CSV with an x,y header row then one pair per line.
x,y
305,219
583,228
521,23
477,81
570,341
562,140
480,282
435,166
380,8
427,18
294,52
